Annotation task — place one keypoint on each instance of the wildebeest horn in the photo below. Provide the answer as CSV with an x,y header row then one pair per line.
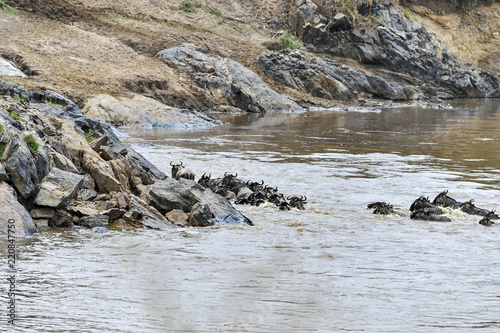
x,y
225,174
181,164
171,163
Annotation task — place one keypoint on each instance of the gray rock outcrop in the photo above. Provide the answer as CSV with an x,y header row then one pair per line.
x,y
404,52
20,166
145,111
58,189
13,211
326,78
228,83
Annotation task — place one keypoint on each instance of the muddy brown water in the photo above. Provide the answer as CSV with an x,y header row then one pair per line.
x,y
333,267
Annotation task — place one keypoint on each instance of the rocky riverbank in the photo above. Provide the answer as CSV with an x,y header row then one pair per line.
x,y
60,168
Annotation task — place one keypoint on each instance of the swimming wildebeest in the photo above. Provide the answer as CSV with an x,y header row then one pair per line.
x,y
423,203
421,214
469,208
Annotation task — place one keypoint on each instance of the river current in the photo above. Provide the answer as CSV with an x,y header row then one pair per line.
x,y
332,267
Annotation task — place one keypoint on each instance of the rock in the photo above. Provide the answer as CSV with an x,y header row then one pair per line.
x,y
42,213
3,173
61,219
58,188
101,172
143,214
144,111
20,166
43,161
326,78
63,163
405,54
201,215
86,194
222,210
227,81
169,194
97,220
83,209
122,199
114,213
100,230
41,223
105,205
177,216
97,143
340,22
13,211
9,68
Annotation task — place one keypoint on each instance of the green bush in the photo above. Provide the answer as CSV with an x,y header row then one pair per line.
x,y
15,115
31,142
187,6
2,130
2,149
89,136
290,41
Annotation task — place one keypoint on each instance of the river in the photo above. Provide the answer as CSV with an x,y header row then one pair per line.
x,y
333,267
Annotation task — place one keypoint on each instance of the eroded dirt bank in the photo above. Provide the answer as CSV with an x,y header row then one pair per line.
x,y
82,49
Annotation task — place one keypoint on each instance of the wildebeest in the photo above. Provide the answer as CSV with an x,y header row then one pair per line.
x,y
297,201
486,221
384,208
421,214
180,171
469,208
442,199
423,203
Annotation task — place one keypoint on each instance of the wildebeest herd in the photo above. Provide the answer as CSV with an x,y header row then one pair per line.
x,y
423,209
240,191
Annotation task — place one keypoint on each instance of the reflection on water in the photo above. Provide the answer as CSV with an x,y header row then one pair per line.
x,y
333,267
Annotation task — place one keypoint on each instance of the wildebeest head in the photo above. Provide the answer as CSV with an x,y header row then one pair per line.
x,y
297,201
383,208
255,186
204,180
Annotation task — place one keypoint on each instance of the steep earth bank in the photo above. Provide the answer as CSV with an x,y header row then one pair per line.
x,y
91,51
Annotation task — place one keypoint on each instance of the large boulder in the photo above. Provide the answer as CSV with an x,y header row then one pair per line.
x,y
13,211
144,111
141,213
58,188
228,82
326,78
20,166
169,194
